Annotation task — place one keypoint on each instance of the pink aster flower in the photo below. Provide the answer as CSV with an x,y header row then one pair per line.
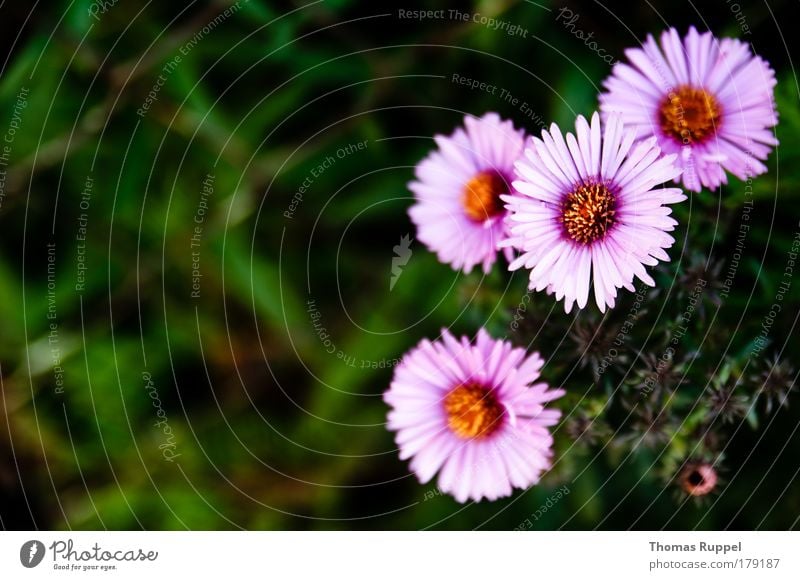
x,y
709,100
698,478
458,212
474,414
589,211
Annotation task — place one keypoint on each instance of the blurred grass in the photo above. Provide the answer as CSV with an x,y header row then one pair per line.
x,y
273,431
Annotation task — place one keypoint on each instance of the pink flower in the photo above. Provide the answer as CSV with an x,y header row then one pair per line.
x,y
474,414
590,212
458,212
709,100
698,478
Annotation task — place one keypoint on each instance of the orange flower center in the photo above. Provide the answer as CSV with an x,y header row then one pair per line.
x,y
481,198
588,212
689,115
473,411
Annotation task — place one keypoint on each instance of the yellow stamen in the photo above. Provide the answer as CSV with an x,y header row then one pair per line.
x,y
473,411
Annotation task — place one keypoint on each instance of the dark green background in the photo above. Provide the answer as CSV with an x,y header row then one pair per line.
x,y
274,432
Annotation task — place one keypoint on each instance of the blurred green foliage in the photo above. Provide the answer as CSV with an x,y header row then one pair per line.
x,y
267,429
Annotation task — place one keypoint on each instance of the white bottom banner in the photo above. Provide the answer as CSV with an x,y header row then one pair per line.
x,y
355,555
